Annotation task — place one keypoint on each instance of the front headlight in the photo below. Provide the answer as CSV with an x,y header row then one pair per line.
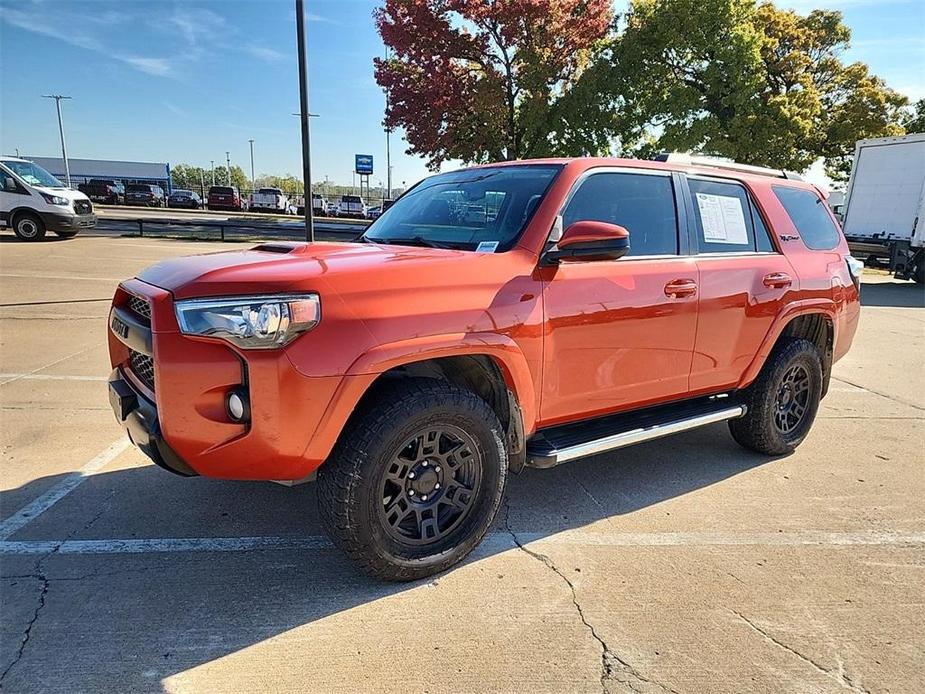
x,y
250,322
55,199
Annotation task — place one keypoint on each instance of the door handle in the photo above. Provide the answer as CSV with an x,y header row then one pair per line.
x,y
777,280
679,288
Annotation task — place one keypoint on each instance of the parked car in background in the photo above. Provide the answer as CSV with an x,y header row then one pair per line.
x,y
351,206
32,201
104,191
144,194
187,199
332,209
268,200
225,198
373,212
592,304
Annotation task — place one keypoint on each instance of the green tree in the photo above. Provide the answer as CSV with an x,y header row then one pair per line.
x,y
750,82
914,122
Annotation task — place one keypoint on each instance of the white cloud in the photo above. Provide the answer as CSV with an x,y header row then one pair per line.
x,y
159,67
269,55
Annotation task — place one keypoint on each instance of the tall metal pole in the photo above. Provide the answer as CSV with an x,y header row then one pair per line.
x,y
388,148
304,115
67,167
213,171
253,180
228,167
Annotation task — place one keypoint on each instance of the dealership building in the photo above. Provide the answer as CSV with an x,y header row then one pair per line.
x,y
82,170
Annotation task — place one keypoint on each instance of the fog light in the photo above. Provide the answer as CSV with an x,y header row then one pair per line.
x,y
237,406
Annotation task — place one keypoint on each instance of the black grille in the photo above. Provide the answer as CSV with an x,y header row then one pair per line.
x,y
143,367
83,207
140,307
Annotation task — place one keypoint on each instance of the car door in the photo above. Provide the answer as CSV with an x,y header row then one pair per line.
x,y
744,281
620,333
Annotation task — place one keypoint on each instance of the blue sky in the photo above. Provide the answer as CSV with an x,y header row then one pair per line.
x,y
186,81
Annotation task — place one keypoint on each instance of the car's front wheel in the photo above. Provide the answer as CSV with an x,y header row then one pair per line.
x,y
28,226
416,480
783,401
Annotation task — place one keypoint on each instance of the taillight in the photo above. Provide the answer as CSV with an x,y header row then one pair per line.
x,y
855,269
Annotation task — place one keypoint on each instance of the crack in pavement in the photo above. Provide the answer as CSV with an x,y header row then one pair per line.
x,y
901,401
613,667
840,676
39,574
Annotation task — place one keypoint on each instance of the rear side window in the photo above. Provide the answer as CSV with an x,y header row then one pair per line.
x,y
642,204
724,221
809,215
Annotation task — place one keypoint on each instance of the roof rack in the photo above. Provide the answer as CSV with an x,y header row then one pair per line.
x,y
686,159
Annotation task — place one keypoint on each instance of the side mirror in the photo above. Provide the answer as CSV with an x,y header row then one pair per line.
x,y
590,240
9,184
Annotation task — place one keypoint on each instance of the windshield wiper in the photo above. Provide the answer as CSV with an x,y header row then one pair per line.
x,y
416,241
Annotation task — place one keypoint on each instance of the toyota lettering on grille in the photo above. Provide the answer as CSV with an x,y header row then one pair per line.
x,y
119,328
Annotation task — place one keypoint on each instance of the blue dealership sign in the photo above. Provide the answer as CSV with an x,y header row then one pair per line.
x,y
364,164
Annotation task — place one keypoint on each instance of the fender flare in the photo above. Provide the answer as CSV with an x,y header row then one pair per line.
x,y
827,307
376,361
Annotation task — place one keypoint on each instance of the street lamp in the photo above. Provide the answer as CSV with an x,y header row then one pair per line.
x,y
304,115
67,168
212,161
228,167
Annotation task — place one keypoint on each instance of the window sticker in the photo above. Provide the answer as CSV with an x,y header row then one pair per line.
x,y
487,247
723,219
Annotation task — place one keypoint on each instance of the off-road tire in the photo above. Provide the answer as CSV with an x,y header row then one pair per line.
x,y
66,234
349,483
757,430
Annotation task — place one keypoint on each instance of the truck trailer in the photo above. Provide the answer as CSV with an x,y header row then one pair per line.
x,y
885,204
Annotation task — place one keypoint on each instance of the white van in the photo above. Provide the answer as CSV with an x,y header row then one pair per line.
x,y
32,201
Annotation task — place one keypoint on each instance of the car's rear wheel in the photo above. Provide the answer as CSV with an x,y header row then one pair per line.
x,y
28,226
783,401
416,480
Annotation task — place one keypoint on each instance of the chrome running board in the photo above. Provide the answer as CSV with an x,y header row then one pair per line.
x,y
553,447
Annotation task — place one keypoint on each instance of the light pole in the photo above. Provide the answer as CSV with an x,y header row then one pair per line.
x,y
213,171
253,180
303,117
228,167
67,168
388,148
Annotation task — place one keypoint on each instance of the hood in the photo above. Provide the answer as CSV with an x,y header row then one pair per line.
x,y
66,193
292,267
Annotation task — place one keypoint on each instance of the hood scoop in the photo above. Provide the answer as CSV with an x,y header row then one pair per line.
x,y
279,247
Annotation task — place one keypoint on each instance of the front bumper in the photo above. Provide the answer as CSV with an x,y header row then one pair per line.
x,y
67,222
175,408
138,416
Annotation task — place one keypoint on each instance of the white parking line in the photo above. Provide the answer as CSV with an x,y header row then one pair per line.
x,y
50,377
497,541
29,512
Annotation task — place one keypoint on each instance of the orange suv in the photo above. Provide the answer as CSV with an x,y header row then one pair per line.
x,y
513,315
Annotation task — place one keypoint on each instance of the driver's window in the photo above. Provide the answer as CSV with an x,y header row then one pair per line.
x,y
641,203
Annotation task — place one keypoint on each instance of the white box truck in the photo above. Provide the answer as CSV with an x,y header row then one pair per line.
x,y
884,212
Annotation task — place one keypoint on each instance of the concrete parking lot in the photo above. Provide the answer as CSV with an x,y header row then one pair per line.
x,y
681,565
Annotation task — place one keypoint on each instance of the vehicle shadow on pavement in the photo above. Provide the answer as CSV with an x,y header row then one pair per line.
x,y
900,293
134,621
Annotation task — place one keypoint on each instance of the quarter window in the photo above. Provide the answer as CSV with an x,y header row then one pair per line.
x,y
809,215
642,204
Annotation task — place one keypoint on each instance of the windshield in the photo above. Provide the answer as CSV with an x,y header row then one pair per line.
x,y
138,188
33,174
484,209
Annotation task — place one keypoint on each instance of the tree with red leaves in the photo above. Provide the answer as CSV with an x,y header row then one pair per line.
x,y
485,80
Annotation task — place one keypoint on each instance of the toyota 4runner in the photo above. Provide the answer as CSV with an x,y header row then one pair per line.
x,y
507,316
